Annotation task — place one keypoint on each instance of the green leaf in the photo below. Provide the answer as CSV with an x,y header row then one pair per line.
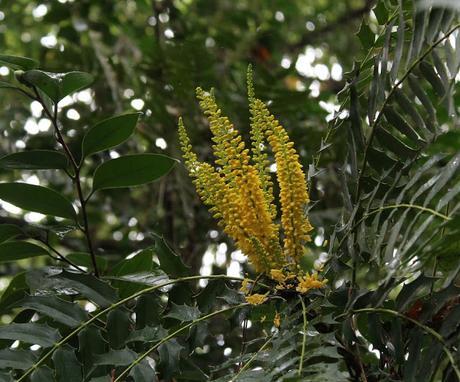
x,y
147,334
34,160
131,273
170,262
91,343
43,374
141,262
16,359
431,76
57,85
366,36
148,311
207,298
183,313
109,133
116,357
16,250
142,372
9,231
118,328
394,144
48,83
37,198
145,278
31,333
6,377
74,81
67,313
66,364
169,356
15,291
131,170
18,62
90,287
7,85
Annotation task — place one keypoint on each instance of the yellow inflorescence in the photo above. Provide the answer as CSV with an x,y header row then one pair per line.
x,y
239,189
256,299
308,282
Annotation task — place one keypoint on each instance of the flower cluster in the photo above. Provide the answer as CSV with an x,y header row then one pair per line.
x,y
239,187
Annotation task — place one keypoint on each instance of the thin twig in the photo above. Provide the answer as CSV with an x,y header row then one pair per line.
x,y
304,335
246,365
60,256
76,178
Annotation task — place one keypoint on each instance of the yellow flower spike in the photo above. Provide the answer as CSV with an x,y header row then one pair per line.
x,y
239,190
260,243
257,299
293,187
259,156
277,320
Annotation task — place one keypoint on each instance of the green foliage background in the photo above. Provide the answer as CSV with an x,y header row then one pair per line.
x,y
367,91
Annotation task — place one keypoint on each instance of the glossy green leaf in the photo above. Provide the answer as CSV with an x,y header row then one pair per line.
x,y
169,357
58,85
89,286
67,313
31,333
366,36
183,313
7,85
34,160
141,262
16,250
37,198
16,290
116,357
431,76
170,262
91,343
142,372
109,133
147,334
16,359
394,144
42,374
18,62
66,364
74,81
6,377
401,124
9,231
118,328
131,170
148,311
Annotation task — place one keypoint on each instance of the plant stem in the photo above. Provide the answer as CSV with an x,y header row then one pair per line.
x,y
173,334
246,365
76,178
60,256
304,335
